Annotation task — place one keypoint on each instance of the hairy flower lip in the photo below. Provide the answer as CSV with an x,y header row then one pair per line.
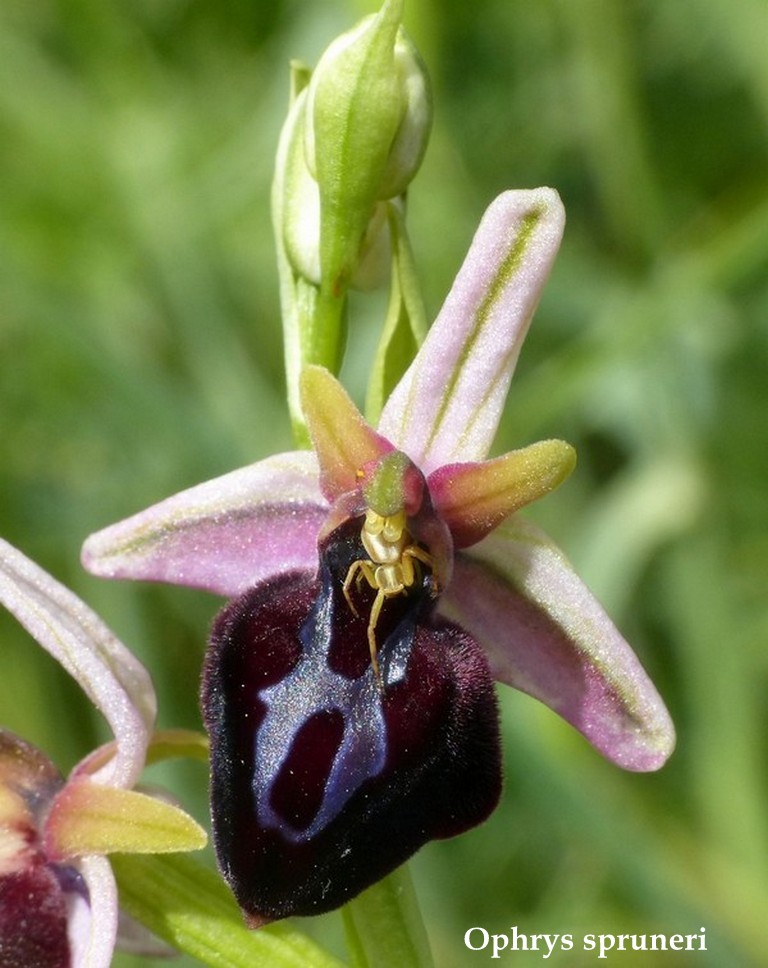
x,y
231,533
334,765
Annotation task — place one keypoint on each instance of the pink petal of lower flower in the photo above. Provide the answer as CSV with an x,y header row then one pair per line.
x,y
447,406
224,535
546,634
112,677
93,926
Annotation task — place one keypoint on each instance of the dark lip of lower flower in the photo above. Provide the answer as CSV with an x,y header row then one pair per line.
x,y
30,884
35,891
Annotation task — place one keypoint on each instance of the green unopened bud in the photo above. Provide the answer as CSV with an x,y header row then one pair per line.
x,y
300,216
407,150
354,138
297,196
367,124
377,97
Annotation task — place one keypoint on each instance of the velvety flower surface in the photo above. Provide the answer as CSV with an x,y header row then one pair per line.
x,y
334,766
58,898
378,585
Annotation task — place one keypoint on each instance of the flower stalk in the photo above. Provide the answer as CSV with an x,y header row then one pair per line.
x,y
383,925
354,138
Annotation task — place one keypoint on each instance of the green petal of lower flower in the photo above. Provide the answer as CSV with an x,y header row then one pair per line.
x,y
88,818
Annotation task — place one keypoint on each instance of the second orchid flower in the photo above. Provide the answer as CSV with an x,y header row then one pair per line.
x,y
58,897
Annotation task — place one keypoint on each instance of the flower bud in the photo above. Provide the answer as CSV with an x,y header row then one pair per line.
x,y
297,198
299,207
354,138
388,116
368,116
407,150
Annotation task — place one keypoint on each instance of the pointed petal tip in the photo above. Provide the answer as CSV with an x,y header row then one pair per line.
x,y
566,456
639,738
541,209
342,438
94,556
546,635
543,200
223,535
649,763
447,406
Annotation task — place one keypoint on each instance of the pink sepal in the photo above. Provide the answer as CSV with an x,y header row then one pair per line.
x,y
447,406
93,928
545,634
224,535
110,675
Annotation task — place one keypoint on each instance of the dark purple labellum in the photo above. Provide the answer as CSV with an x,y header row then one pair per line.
x,y
322,782
35,895
33,918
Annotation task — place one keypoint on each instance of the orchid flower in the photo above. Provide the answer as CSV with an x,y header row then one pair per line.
x,y
58,897
379,585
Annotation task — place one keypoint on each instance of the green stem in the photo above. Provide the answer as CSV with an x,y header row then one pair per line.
x,y
405,326
188,905
383,926
328,332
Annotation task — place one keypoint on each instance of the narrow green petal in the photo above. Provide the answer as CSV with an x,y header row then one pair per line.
x,y
89,818
474,498
344,442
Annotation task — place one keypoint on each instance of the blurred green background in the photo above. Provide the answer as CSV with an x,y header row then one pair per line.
x,y
141,353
